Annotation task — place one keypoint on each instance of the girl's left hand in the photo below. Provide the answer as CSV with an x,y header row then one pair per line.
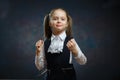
x,y
71,44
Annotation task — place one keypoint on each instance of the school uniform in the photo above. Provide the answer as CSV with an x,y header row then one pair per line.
x,y
58,58
58,62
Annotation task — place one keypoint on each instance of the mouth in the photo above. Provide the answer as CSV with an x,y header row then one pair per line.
x,y
58,25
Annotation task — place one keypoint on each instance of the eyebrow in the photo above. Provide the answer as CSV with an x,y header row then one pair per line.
x,y
57,17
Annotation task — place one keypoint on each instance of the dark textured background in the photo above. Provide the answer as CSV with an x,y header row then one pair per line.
x,y
95,26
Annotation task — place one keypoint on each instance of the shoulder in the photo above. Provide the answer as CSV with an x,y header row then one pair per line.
x,y
69,37
47,40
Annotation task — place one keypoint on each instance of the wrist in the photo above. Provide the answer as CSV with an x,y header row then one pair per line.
x,y
75,53
37,52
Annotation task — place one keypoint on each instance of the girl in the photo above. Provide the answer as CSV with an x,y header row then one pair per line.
x,y
57,50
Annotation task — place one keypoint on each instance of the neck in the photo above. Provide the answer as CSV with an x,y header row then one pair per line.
x,y
57,32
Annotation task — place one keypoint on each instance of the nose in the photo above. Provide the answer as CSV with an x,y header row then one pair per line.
x,y
58,20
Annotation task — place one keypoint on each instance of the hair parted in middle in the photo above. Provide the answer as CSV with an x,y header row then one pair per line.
x,y
47,28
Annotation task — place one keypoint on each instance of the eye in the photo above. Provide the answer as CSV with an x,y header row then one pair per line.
x,y
54,18
63,19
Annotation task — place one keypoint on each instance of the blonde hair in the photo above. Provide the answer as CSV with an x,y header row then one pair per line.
x,y
47,29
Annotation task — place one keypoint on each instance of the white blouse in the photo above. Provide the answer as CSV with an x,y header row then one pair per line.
x,y
56,46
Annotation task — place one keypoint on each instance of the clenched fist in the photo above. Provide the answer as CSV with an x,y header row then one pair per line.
x,y
71,44
39,44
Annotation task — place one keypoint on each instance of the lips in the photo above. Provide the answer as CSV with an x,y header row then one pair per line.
x,y
58,25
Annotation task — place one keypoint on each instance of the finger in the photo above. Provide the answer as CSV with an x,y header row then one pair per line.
x,y
72,42
39,43
69,44
69,47
38,46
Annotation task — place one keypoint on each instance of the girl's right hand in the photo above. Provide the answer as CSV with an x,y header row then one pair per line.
x,y
39,44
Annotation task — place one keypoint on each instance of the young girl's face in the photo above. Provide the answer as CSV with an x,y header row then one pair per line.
x,y
58,21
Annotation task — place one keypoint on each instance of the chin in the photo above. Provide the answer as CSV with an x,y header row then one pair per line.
x,y
59,29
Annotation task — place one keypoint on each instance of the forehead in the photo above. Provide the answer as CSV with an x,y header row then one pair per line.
x,y
59,12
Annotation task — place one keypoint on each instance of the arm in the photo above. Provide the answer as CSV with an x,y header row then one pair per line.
x,y
40,57
80,57
76,51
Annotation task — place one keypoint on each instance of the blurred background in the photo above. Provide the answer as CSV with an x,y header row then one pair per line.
x,y
95,28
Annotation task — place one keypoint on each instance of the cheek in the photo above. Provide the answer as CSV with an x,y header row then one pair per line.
x,y
51,23
66,24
